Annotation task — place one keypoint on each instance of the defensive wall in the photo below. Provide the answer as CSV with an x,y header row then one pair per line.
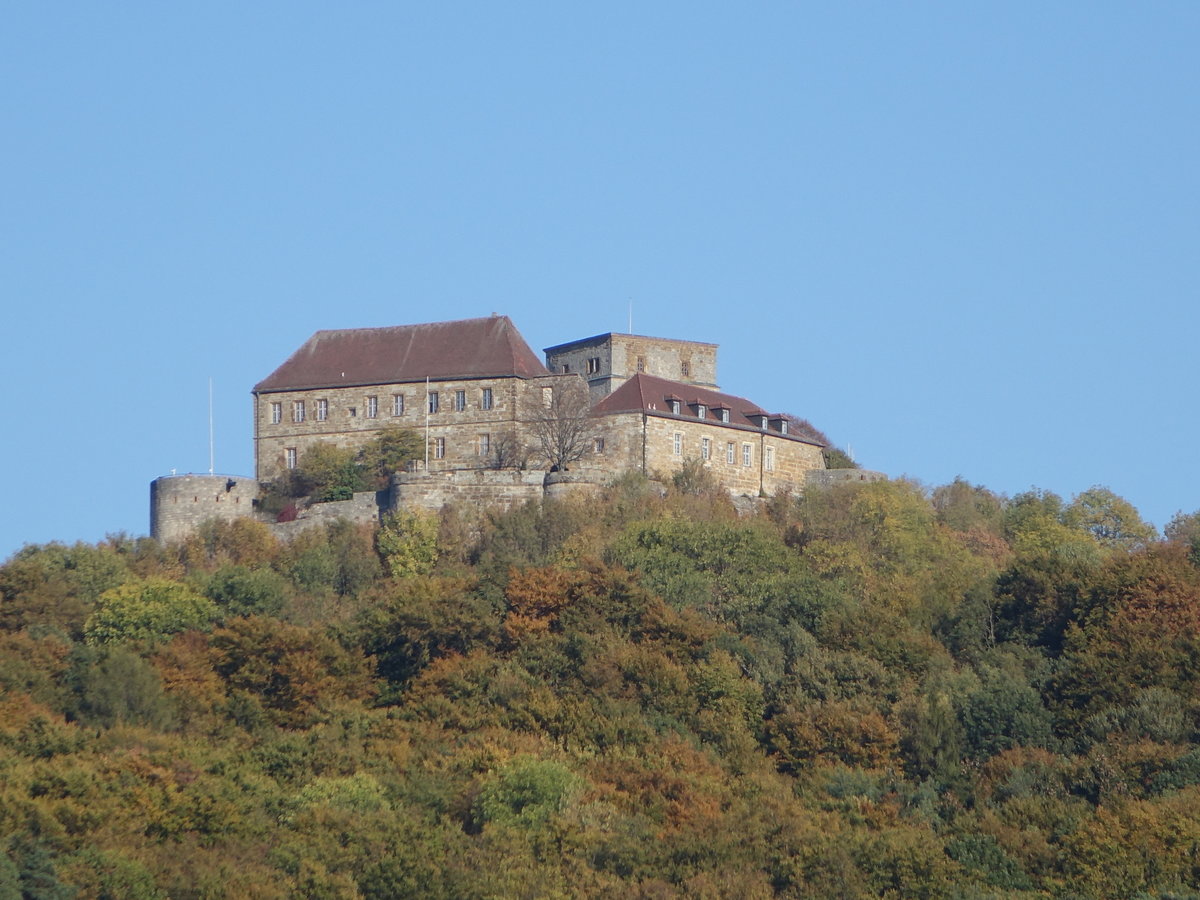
x,y
180,503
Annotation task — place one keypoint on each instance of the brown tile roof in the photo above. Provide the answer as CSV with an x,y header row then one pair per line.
x,y
469,348
649,394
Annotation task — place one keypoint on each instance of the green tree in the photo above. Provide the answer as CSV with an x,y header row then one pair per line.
x,y
329,472
526,792
147,611
389,451
407,542
1111,520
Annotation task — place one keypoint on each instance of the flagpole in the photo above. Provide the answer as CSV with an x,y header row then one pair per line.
x,y
426,423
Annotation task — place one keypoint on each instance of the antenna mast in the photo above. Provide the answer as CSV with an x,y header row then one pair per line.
x,y
210,426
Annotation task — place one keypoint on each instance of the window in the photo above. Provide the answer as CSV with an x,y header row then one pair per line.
x,y
322,410
674,406
724,415
353,411
685,369
297,410
729,453
566,370
398,405
486,401
460,401
593,365
276,413
641,364
705,448
678,444
439,448
598,445
701,410
769,459
433,401
783,426
547,397
747,454
372,407
289,457
485,444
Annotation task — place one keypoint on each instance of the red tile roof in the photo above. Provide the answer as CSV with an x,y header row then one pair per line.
x,y
649,394
469,348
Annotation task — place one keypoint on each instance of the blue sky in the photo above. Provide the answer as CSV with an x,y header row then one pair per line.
x,y
960,238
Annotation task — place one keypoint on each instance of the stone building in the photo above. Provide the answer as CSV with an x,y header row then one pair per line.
x,y
480,397
462,385
476,392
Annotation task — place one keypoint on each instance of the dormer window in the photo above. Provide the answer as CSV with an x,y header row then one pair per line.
x,y
724,413
674,406
701,410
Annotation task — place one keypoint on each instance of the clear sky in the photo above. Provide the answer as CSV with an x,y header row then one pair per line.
x,y
960,238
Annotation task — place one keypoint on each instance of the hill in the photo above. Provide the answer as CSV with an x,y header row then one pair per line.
x,y
876,690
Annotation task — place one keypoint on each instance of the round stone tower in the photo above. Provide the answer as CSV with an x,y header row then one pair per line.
x,y
179,503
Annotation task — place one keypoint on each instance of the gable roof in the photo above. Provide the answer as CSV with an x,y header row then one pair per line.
x,y
468,348
649,394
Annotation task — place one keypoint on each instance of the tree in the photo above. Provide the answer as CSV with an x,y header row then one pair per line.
x,y
147,611
1110,519
407,542
562,424
389,451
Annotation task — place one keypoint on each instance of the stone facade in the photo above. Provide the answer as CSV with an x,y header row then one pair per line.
x,y
607,361
466,423
180,503
744,460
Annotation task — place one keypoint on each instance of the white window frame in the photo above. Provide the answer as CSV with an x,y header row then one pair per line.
x,y
747,455
434,402
731,453
486,401
276,413
439,448
769,459
705,448
485,444
460,401
322,410
701,410
598,446
297,411
290,458
397,404
724,415
677,443
372,407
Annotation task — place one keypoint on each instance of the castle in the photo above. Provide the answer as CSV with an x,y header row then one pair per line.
x,y
499,425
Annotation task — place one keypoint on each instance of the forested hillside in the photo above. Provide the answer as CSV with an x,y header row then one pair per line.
x,y
877,690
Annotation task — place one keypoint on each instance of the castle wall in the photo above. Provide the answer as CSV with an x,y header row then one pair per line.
x,y
481,488
609,360
180,503
776,462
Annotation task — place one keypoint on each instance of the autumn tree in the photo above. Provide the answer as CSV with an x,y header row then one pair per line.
x,y
561,423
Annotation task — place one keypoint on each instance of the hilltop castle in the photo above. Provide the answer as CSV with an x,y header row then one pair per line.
x,y
499,425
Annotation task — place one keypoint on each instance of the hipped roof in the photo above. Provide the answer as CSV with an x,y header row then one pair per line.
x,y
651,395
468,348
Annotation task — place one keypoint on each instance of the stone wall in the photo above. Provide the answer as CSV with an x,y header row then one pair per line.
x,y
180,503
504,488
615,359
362,509
830,477
465,437
775,461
